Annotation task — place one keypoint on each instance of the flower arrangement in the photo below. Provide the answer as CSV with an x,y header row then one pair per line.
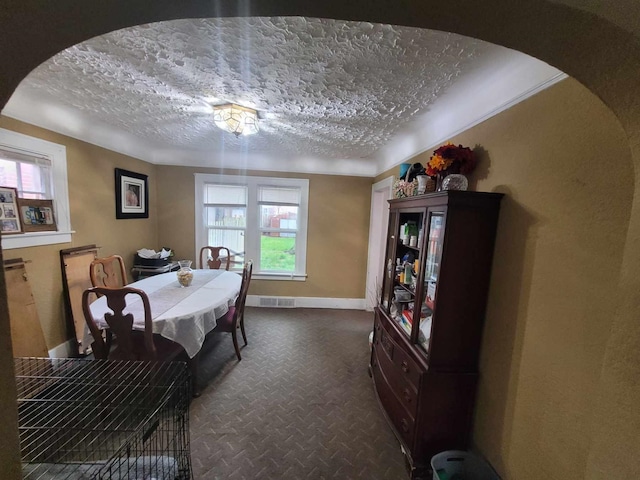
x,y
449,159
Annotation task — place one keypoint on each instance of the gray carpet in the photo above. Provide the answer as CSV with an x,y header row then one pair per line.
x,y
300,404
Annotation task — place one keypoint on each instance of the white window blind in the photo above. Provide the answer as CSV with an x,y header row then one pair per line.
x,y
29,173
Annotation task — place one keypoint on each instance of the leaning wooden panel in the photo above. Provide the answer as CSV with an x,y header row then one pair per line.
x,y
27,337
75,275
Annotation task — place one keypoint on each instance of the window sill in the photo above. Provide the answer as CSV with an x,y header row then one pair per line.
x,y
35,239
280,276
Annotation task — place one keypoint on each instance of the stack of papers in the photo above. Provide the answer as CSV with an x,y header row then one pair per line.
x,y
147,253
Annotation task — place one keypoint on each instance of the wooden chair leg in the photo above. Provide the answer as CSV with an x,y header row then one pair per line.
x,y
234,336
244,335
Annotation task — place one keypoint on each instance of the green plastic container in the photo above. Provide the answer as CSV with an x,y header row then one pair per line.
x,y
460,465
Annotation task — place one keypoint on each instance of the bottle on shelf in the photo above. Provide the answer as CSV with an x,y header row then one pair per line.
x,y
404,232
408,274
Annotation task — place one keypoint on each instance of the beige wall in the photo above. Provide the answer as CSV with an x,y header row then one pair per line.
x,y
558,257
92,206
337,236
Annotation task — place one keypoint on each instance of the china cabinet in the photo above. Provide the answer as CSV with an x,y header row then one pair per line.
x,y
428,324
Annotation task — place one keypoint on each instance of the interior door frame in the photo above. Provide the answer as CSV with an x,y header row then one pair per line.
x,y
378,219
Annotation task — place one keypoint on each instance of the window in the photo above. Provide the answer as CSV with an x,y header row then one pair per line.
x,y
38,169
31,175
263,219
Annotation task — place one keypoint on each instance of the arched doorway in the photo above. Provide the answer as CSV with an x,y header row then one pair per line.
x,y
606,63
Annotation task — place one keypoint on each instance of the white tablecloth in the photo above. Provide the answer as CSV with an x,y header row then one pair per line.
x,y
184,315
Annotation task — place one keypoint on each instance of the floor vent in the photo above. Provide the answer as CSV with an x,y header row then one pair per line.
x,y
277,302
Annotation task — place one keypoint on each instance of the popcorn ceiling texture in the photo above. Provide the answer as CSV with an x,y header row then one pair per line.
x,y
323,88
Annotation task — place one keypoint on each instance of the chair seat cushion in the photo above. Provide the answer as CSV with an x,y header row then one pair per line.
x,y
225,323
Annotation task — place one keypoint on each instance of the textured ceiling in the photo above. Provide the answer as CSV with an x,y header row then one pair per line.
x,y
324,89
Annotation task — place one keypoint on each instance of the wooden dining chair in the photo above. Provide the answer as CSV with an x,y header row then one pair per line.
x,y
129,344
234,318
214,259
108,272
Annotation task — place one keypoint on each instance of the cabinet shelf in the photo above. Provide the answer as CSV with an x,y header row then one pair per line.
x,y
433,348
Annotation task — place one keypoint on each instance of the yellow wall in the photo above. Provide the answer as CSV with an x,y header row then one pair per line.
x,y
558,257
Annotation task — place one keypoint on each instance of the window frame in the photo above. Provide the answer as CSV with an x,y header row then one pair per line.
x,y
57,154
253,228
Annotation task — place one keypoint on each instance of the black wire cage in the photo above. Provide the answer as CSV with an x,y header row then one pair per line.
x,y
102,419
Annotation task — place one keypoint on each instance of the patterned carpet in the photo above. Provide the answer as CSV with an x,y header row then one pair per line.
x,y
300,404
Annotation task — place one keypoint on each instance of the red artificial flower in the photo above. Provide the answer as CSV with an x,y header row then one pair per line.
x,y
449,159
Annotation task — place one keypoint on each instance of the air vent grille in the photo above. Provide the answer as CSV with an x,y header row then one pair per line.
x,y
277,302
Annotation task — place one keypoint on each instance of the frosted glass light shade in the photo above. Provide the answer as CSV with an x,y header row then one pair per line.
x,y
236,119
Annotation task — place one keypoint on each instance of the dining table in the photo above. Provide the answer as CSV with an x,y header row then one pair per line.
x,y
184,315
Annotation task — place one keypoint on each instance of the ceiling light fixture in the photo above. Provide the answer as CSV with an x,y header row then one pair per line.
x,y
236,119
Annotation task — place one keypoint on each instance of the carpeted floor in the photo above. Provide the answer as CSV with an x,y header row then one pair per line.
x,y
300,404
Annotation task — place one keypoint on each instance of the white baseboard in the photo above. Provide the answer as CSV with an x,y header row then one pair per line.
x,y
64,350
312,302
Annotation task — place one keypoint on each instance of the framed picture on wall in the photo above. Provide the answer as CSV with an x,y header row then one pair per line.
x,y
132,194
9,216
36,215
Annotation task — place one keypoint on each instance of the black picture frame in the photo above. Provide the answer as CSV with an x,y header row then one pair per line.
x,y
132,194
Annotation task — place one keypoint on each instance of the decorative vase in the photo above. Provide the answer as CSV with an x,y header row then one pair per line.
x,y
455,181
422,184
439,179
185,273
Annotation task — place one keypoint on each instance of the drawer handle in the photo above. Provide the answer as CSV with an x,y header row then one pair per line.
x,y
405,425
407,395
405,367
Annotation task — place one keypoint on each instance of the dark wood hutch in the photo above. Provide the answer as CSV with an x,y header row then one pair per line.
x,y
428,325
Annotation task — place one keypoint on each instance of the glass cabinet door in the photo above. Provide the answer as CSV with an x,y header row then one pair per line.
x,y
431,265
388,280
404,257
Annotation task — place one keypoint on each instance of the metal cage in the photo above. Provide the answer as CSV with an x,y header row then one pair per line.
x,y
103,419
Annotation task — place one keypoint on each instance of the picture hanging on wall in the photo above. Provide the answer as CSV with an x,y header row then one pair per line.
x,y
132,195
9,217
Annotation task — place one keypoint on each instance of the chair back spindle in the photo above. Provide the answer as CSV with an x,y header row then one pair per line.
x,y
214,258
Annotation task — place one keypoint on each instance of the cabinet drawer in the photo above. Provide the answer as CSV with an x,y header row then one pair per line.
x,y
402,421
408,367
395,352
406,392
